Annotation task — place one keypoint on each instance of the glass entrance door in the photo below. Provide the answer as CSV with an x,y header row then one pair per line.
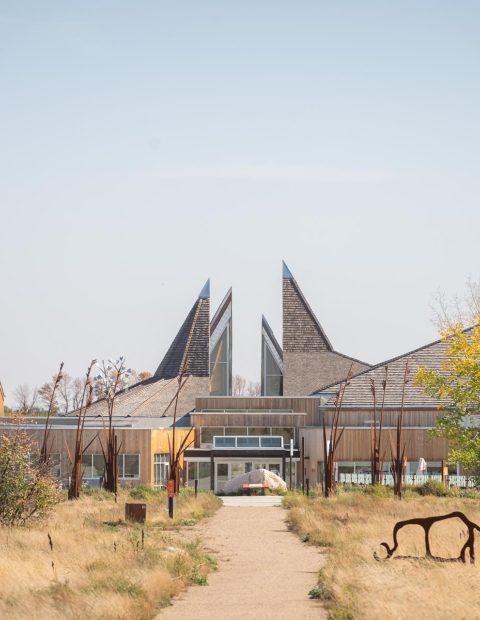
x,y
222,476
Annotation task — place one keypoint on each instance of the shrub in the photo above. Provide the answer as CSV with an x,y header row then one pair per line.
x,y
27,488
377,490
432,487
143,491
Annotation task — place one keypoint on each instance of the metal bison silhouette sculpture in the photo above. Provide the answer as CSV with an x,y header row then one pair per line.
x,y
427,523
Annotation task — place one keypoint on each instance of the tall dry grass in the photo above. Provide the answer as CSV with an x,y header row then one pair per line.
x,y
353,585
98,566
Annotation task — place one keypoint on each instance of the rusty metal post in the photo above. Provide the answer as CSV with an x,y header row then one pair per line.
x,y
115,467
307,481
303,465
196,488
291,456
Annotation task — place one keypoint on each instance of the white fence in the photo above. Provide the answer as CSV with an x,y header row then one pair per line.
x,y
460,481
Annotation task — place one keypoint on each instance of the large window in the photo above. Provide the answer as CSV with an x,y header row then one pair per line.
x,y
201,472
129,466
207,433
272,363
221,350
54,461
93,465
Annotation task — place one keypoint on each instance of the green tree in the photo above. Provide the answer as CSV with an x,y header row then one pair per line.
x,y
28,490
457,386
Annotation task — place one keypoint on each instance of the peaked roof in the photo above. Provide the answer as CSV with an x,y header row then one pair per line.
x,y
192,342
153,398
302,331
359,390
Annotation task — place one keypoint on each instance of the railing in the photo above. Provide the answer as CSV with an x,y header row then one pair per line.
x,y
248,442
460,481
249,411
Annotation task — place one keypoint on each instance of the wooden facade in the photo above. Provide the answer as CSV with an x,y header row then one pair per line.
x,y
145,442
355,445
308,405
416,418
307,416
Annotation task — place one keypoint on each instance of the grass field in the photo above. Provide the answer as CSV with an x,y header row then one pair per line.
x,y
353,585
98,566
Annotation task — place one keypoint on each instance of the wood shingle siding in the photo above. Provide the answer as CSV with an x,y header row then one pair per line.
x,y
192,343
309,359
359,391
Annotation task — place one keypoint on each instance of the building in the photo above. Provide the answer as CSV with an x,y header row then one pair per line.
x,y
299,379
144,444
2,400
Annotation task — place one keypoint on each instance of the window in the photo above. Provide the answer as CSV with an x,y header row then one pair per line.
x,y
232,431
129,466
272,366
248,442
257,432
287,472
207,433
275,468
201,472
224,442
257,466
93,465
271,442
286,433
221,355
54,462
160,470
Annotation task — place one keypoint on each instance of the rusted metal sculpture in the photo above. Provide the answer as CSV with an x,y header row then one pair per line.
x,y
399,448
427,523
330,445
376,463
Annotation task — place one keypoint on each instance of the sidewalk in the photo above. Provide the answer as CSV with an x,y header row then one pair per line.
x,y
264,572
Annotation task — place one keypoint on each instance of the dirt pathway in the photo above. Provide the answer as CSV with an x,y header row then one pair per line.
x,y
264,572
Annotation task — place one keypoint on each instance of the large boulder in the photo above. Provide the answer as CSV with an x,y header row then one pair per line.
x,y
259,476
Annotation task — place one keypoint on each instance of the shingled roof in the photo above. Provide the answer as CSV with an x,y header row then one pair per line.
x,y
310,360
156,396
359,393
192,343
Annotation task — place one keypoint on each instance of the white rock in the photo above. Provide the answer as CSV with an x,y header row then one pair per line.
x,y
259,476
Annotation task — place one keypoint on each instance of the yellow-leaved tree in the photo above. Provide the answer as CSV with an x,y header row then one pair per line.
x,y
457,386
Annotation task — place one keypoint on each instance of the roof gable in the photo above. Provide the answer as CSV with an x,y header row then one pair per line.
x,y
192,343
302,331
359,389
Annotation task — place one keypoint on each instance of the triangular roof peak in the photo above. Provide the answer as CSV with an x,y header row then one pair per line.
x,y
205,292
191,344
286,273
302,331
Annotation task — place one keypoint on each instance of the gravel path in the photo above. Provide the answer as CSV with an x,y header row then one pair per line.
x,y
265,571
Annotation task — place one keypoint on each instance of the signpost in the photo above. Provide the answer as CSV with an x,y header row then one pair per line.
x,y
171,495
291,456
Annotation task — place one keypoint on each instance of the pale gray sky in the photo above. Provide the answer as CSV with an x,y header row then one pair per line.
x,y
148,146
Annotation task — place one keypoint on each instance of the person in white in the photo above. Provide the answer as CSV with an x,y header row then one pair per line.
x,y
422,467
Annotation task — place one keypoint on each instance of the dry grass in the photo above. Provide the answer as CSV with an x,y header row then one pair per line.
x,y
98,567
353,585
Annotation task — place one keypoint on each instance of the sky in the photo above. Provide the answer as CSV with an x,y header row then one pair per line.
x,y
145,147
